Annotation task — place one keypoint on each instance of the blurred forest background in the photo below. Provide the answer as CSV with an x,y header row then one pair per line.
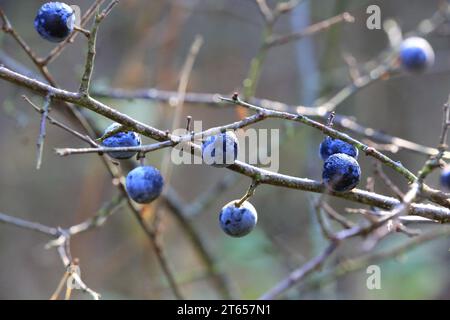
x,y
144,44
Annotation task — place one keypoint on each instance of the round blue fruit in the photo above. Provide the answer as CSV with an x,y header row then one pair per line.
x,y
416,54
330,146
220,150
445,178
341,172
238,222
121,139
54,21
144,184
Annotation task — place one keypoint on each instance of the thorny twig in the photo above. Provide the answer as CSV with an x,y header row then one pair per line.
x,y
87,126
396,208
389,217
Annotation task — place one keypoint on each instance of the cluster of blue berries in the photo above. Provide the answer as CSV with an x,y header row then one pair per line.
x,y
416,54
341,171
55,21
143,184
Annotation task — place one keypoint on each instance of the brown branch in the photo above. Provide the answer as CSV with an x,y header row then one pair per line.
x,y
263,176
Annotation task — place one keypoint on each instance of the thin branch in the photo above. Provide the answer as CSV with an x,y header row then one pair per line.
x,y
299,274
92,42
61,242
213,100
324,224
357,263
312,29
175,140
100,150
42,131
265,11
264,176
99,218
90,57
7,28
386,180
432,194
158,248
24,224
61,125
333,214
80,118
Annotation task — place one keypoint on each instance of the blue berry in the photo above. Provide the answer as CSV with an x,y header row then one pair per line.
x,y
445,177
330,146
341,172
144,184
416,54
238,222
220,150
54,21
121,139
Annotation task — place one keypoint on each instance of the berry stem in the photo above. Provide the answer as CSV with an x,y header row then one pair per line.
x,y
87,33
250,192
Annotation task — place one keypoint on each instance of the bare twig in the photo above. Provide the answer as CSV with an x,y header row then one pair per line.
x,y
7,28
24,224
61,242
313,29
61,125
213,100
42,131
299,274
333,214
386,180
248,170
363,261
265,11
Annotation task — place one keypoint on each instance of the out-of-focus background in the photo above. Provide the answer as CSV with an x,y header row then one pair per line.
x,y
144,44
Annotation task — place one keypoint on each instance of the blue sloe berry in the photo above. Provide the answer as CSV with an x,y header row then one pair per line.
x,y
121,139
341,172
330,146
54,21
416,54
238,222
445,177
144,184
220,150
